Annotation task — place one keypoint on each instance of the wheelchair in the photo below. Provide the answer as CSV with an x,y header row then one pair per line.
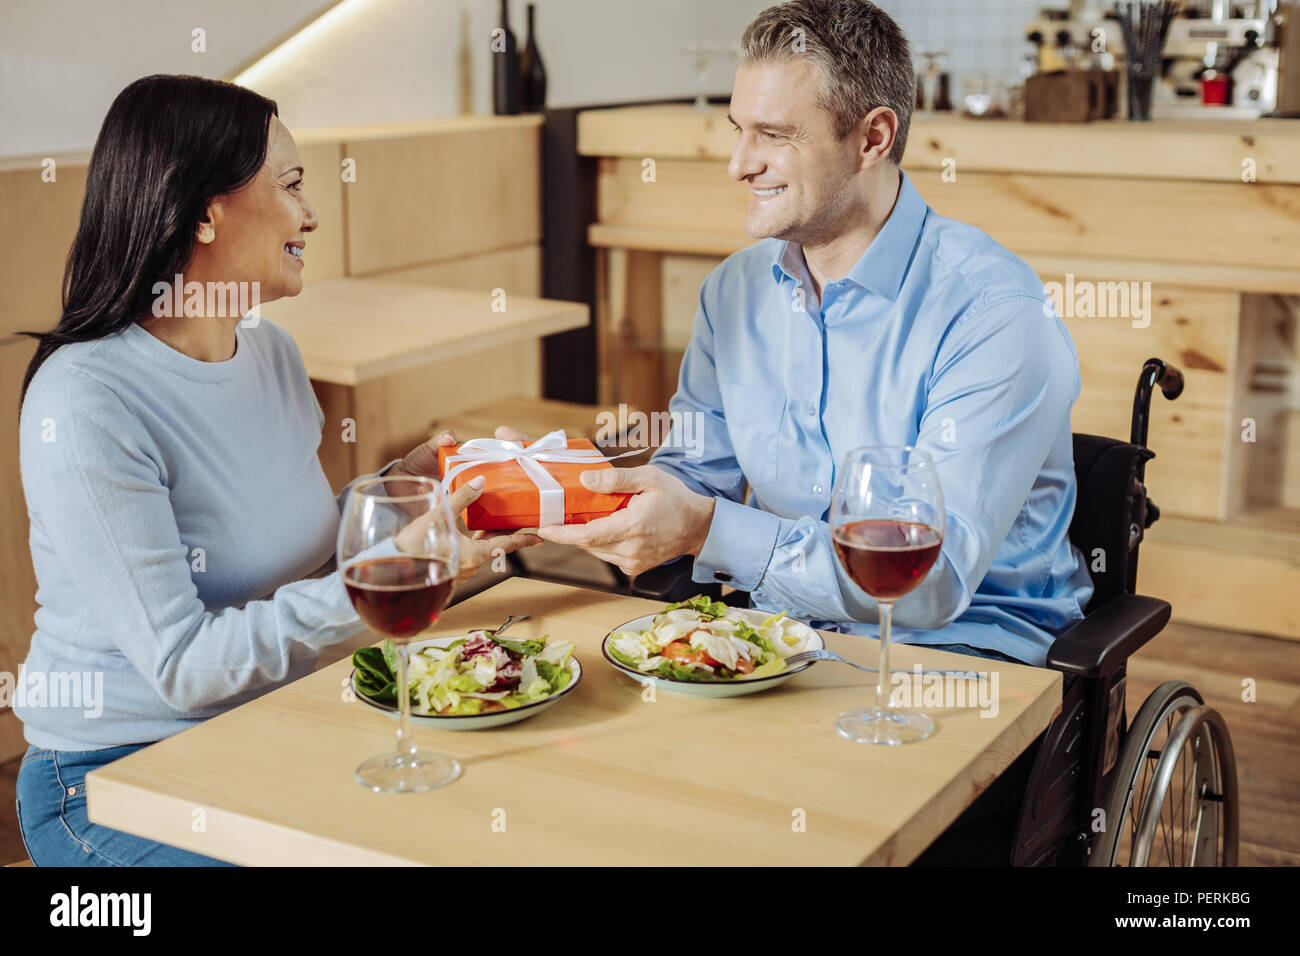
x,y
1098,790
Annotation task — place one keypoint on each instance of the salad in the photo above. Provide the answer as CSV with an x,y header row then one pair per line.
x,y
476,674
702,640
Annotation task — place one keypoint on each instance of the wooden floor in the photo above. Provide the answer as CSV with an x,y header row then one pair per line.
x,y
1265,733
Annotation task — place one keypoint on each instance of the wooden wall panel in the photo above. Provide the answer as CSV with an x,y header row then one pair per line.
x,y
1291,465
1198,149
1232,223
1256,225
517,270
38,221
321,182
17,579
337,456
1196,330
437,196
685,195
1230,576
682,278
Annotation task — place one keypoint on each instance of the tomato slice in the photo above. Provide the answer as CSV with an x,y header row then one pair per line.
x,y
681,651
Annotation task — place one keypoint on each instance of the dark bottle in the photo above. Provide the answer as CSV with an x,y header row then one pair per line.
x,y
942,99
532,72
505,67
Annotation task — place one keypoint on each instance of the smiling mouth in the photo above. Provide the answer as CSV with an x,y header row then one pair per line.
x,y
768,193
295,251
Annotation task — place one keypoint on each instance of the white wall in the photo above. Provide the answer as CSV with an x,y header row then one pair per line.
x,y
398,59
63,61
978,35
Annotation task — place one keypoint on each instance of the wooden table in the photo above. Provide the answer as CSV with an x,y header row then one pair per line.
x,y
388,356
603,777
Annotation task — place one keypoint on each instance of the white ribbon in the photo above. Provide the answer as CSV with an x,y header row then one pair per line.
x,y
550,447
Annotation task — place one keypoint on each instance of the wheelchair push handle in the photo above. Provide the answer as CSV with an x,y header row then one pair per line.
x,y
1155,372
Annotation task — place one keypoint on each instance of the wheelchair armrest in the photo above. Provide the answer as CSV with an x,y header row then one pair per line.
x,y
672,582
1108,636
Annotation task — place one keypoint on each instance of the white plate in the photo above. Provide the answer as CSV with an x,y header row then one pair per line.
x,y
497,718
722,687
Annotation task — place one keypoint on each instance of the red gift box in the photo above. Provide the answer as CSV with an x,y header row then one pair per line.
x,y
512,498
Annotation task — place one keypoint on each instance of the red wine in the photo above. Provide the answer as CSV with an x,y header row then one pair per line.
x,y
398,596
887,558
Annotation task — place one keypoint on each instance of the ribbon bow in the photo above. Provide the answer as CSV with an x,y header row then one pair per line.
x,y
550,447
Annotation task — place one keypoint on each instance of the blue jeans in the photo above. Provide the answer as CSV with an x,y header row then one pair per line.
x,y
974,651
1067,679
52,817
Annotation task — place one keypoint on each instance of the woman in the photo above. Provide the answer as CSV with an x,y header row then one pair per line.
x,y
178,507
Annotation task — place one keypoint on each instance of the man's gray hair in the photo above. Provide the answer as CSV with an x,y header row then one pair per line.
x,y
863,55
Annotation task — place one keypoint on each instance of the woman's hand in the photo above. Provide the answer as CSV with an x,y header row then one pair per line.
x,y
475,550
423,460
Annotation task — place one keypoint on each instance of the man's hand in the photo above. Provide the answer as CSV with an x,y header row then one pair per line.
x,y
663,520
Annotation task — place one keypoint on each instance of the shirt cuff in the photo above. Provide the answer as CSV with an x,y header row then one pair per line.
x,y
383,471
738,547
689,481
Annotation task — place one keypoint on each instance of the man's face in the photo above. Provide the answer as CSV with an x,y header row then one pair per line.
x,y
800,177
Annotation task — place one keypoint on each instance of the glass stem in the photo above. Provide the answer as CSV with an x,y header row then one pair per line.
x,y
405,739
882,678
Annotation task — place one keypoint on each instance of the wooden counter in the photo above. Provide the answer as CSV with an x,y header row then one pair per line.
x,y
1167,203
1162,149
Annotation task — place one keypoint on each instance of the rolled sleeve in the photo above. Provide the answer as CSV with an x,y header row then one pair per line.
x,y
738,547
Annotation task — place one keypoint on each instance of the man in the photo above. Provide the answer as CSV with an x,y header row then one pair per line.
x,y
862,318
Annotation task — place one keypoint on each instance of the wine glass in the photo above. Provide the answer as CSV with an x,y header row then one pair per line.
x,y
399,553
887,523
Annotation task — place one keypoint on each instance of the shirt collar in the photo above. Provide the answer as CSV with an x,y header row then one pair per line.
x,y
882,267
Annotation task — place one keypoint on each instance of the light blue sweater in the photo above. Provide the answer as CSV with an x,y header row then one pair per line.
x,y
178,512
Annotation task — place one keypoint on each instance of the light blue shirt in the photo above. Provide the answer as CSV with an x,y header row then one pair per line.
x,y
937,337
182,534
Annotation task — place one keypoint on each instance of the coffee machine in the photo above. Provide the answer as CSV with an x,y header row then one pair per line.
x,y
1221,59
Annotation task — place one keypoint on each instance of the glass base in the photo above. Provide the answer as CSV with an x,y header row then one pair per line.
x,y
884,725
407,773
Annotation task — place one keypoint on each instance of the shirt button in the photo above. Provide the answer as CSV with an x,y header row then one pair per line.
x,y
812,409
817,489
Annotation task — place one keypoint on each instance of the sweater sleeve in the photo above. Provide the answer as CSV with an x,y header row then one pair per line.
x,y
95,486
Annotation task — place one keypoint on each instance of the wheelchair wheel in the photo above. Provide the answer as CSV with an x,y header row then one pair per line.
x,y
1173,795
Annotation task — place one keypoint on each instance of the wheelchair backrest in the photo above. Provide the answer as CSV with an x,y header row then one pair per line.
x,y
1109,512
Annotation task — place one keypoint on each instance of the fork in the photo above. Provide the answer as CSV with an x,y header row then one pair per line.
x,y
824,655
512,619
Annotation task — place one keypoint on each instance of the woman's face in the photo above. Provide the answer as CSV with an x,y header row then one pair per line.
x,y
258,233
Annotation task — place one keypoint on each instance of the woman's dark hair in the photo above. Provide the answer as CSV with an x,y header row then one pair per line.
x,y
168,146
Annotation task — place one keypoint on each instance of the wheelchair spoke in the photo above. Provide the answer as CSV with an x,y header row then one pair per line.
x,y
1193,805
1190,792
1166,831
